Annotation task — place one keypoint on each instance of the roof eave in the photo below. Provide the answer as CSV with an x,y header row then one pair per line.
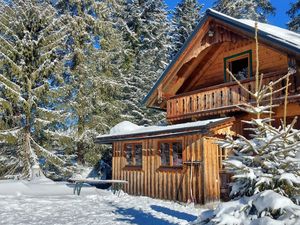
x,y
174,60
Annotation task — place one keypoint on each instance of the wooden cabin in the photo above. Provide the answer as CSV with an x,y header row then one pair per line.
x,y
182,161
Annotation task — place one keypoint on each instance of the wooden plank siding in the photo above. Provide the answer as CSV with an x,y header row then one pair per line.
x,y
196,181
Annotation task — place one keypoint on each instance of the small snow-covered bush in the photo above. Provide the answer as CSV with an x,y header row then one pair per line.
x,y
267,161
265,208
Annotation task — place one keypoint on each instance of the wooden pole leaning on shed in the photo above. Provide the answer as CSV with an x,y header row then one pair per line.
x,y
179,188
192,199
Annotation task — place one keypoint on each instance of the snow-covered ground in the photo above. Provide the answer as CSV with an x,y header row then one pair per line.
x,y
45,202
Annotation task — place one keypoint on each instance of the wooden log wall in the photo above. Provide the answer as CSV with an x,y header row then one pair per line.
x,y
196,181
293,109
271,60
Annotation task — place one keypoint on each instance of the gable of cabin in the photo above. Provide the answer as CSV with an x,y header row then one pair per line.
x,y
206,63
196,84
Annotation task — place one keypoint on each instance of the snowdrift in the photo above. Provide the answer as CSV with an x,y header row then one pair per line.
x,y
265,208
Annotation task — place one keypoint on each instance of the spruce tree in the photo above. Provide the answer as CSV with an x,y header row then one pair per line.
x,y
268,160
257,10
145,28
31,58
294,24
186,16
95,74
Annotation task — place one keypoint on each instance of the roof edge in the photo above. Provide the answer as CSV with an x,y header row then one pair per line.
x,y
163,133
251,29
175,58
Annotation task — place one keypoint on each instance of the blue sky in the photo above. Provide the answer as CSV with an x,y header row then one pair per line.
x,y
280,19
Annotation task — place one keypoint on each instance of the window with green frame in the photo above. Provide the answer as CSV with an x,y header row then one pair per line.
x,y
240,66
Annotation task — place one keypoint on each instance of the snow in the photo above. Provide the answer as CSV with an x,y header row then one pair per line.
x,y
13,132
272,200
265,208
47,202
278,33
274,32
126,127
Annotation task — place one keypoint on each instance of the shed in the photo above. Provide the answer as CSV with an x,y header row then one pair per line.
x,y
177,162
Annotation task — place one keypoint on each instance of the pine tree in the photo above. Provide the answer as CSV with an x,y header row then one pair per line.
x,y
186,16
257,10
145,28
31,58
294,24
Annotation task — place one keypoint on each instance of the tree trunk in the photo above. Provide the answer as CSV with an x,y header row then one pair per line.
x,y
80,144
80,154
27,146
27,135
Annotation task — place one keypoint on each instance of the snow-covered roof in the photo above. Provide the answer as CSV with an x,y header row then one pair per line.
x,y
125,130
283,38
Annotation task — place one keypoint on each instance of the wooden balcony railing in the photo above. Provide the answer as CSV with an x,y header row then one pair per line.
x,y
220,98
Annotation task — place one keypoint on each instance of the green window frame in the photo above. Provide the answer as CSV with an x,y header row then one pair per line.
x,y
247,54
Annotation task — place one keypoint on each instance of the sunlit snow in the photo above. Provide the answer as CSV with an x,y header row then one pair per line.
x,y
54,203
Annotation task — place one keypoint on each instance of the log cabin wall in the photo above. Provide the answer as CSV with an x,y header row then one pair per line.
x,y
293,110
172,183
212,73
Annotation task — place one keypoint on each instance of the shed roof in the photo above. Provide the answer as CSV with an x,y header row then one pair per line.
x,y
283,38
142,132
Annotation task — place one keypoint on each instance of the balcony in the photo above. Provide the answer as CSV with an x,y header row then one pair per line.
x,y
222,99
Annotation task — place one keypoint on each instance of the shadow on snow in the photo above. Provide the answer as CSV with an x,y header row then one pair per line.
x,y
177,214
134,216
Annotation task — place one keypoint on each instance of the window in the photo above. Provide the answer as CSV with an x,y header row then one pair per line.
x,y
240,66
171,153
165,154
133,154
223,155
177,154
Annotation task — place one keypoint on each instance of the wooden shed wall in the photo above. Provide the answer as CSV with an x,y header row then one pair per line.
x,y
172,183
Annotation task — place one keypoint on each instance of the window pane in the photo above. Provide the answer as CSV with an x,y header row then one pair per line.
x,y
165,154
177,154
128,154
239,68
138,155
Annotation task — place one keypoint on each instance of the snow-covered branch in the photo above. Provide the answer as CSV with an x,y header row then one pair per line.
x,y
46,152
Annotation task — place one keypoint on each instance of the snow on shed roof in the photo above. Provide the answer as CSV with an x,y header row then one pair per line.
x,y
126,130
284,38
